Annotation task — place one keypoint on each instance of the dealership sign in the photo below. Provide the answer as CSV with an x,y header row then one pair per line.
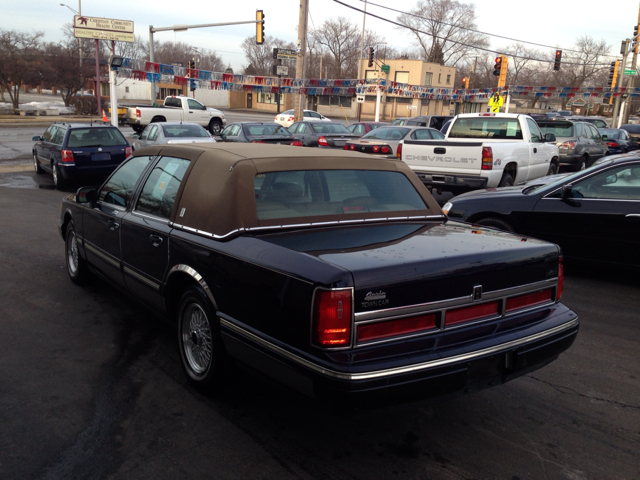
x,y
103,28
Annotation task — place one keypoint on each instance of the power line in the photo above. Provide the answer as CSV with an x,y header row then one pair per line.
x,y
464,44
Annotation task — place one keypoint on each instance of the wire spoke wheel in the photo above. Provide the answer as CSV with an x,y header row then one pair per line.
x,y
197,339
73,261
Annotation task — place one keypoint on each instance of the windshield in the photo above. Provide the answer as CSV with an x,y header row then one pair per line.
x,y
559,129
95,137
184,130
269,129
330,128
610,132
486,127
387,133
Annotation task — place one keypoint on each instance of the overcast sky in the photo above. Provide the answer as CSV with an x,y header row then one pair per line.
x,y
548,22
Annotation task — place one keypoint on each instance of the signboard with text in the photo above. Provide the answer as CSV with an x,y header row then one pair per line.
x,y
284,53
103,28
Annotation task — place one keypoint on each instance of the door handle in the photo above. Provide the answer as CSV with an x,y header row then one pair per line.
x,y
535,150
113,225
156,240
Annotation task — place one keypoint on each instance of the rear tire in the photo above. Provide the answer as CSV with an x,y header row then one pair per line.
x,y
506,181
496,223
215,127
76,265
553,168
582,164
36,164
58,181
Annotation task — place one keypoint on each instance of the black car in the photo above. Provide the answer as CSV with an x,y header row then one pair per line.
x,y
593,214
79,151
334,274
579,143
321,134
431,121
618,140
259,132
599,122
633,129
362,128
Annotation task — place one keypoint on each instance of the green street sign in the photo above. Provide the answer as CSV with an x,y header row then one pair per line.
x,y
631,72
385,68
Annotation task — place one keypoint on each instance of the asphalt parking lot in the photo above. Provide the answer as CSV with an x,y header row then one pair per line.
x,y
91,387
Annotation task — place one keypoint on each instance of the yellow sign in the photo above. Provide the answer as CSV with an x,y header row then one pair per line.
x,y
495,102
103,28
103,35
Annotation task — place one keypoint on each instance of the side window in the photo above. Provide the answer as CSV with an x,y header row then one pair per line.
x,y
153,133
160,190
119,187
583,131
437,135
195,105
359,130
421,135
227,130
145,132
294,127
50,133
617,183
594,134
59,136
536,135
235,130
312,115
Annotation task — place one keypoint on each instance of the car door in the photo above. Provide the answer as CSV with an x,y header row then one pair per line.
x,y
540,152
47,145
144,232
601,218
141,142
197,112
600,148
101,224
153,135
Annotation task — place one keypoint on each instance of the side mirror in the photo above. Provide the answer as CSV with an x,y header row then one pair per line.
x,y
567,191
36,139
549,137
86,195
135,136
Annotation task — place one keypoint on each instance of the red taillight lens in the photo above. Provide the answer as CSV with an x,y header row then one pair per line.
x,y
323,142
384,150
138,112
467,314
67,156
560,279
399,151
375,149
612,144
529,300
127,151
296,143
392,328
568,145
346,147
352,147
291,119
332,318
487,158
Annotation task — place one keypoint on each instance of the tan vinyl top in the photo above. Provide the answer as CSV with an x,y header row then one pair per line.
x,y
217,193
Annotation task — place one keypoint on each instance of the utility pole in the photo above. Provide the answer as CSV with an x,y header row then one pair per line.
x,y
624,50
300,100
632,79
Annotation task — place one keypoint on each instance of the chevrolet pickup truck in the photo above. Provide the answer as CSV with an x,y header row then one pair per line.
x,y
176,109
483,150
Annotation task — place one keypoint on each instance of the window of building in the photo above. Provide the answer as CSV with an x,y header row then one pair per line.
x,y
428,78
269,98
402,77
439,78
126,89
448,79
404,100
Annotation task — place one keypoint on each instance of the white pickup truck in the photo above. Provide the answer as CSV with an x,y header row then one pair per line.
x,y
483,150
176,109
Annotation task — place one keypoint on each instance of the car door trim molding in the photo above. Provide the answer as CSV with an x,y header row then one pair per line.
x,y
231,324
137,276
105,256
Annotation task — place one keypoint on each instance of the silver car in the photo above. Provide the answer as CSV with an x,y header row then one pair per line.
x,y
385,140
171,133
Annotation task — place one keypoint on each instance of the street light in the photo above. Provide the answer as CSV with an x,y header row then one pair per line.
x,y
74,11
79,13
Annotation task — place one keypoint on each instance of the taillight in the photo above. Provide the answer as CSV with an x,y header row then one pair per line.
x,y
568,145
392,328
468,314
258,141
612,144
67,156
352,147
290,119
375,149
487,158
384,149
399,151
332,318
138,112
323,142
127,151
528,300
560,279
346,147
296,143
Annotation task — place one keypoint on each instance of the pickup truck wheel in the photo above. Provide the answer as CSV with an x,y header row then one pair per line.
x,y
506,181
496,223
76,265
215,127
553,168
201,350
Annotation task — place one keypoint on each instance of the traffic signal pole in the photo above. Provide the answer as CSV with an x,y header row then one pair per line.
x,y
615,121
632,79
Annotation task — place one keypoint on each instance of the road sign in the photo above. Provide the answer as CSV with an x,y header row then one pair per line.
x,y
631,72
385,68
285,53
360,98
495,102
103,28
282,70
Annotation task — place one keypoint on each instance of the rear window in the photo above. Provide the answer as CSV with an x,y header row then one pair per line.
x,y
333,192
330,128
173,102
95,137
178,131
486,127
387,133
274,129
559,129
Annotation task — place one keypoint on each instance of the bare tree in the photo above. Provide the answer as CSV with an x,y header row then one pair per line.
x,y
260,57
60,67
448,30
20,58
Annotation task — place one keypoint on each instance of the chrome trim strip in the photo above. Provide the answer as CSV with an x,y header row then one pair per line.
x,y
454,302
594,199
102,255
632,215
197,277
398,370
145,280
150,217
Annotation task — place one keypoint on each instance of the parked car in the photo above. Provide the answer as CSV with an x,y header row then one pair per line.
x,y
579,143
387,141
361,128
483,150
593,214
632,129
287,118
170,133
432,121
564,113
175,109
618,140
321,134
259,132
79,151
333,274
599,122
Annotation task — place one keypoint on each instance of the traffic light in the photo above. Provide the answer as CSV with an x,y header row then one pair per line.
x,y
634,45
192,64
371,53
259,27
613,73
465,83
497,67
556,63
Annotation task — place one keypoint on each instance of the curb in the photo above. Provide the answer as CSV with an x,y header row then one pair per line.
x,y
22,167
